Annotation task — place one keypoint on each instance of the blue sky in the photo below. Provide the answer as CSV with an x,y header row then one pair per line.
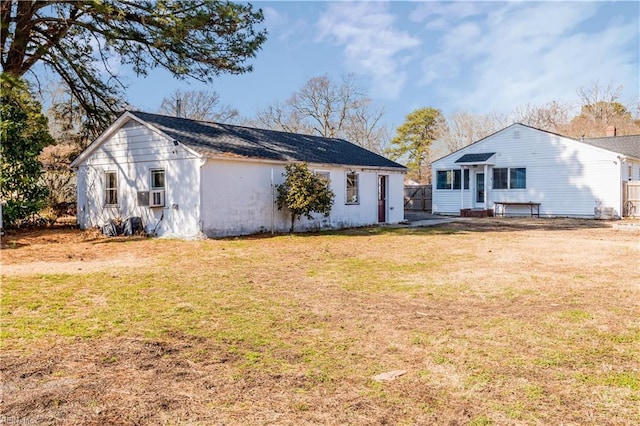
x,y
480,57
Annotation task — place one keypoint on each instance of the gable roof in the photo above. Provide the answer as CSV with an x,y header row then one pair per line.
x,y
625,145
216,139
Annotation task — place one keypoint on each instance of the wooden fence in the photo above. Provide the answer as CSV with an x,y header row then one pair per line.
x,y
418,197
630,199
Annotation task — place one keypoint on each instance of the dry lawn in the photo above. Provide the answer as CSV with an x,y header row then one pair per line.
x,y
505,322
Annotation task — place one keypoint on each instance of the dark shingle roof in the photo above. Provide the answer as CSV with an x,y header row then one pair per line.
x,y
475,158
208,138
626,145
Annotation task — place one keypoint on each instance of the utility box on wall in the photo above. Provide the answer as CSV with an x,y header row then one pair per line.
x,y
604,213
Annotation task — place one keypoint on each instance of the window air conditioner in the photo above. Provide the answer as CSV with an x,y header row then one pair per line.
x,y
156,198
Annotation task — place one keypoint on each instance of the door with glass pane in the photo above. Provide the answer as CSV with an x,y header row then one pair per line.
x,y
480,190
382,198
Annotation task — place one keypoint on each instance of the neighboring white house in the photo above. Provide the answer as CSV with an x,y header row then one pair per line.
x,y
186,178
521,164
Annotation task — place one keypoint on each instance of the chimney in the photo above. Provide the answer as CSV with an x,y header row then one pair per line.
x,y
179,112
611,131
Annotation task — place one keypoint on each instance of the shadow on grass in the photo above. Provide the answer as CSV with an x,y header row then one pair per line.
x,y
472,225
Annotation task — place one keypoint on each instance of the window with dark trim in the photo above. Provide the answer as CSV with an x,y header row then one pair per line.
x,y
111,188
518,178
352,189
451,179
500,180
510,178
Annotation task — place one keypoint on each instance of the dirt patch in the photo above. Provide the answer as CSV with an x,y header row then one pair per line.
x,y
67,250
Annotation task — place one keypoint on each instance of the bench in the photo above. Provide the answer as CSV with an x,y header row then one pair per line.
x,y
534,208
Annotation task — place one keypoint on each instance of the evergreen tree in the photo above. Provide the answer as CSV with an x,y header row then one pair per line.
x,y
23,135
414,138
79,41
304,193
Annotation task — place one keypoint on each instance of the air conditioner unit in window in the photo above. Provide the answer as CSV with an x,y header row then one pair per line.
x,y
156,198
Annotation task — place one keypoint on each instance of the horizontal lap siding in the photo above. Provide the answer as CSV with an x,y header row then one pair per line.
x,y
567,178
132,151
135,143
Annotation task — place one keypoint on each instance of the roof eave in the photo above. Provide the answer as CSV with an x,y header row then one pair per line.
x,y
212,156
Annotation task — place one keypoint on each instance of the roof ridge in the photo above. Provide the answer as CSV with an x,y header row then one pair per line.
x,y
211,138
217,123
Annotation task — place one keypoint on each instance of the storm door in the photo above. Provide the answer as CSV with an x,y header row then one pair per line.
x,y
479,190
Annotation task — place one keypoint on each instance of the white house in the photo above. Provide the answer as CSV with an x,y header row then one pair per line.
x,y
186,178
527,171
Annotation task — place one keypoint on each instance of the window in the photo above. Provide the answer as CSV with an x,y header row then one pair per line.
x,y
500,179
157,179
451,179
510,178
442,179
518,178
111,188
325,175
352,188
156,195
456,179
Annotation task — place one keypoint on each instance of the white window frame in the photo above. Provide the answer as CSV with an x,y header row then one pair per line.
x,y
325,174
350,197
110,189
164,179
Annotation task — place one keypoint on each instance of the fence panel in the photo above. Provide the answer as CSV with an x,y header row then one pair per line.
x,y
418,197
631,199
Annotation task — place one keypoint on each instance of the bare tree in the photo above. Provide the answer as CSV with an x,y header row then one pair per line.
x,y
552,117
464,128
198,105
332,109
364,127
278,116
600,107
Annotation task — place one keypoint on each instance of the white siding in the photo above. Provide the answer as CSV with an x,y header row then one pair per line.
x,y
217,196
568,178
132,152
238,198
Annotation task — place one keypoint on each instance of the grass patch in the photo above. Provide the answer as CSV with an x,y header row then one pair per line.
x,y
492,325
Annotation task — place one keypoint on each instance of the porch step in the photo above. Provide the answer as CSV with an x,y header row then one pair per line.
x,y
476,212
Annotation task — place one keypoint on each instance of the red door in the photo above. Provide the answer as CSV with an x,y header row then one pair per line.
x,y
382,199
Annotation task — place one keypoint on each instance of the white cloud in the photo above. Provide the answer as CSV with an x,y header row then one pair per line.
x,y
283,27
371,44
519,53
